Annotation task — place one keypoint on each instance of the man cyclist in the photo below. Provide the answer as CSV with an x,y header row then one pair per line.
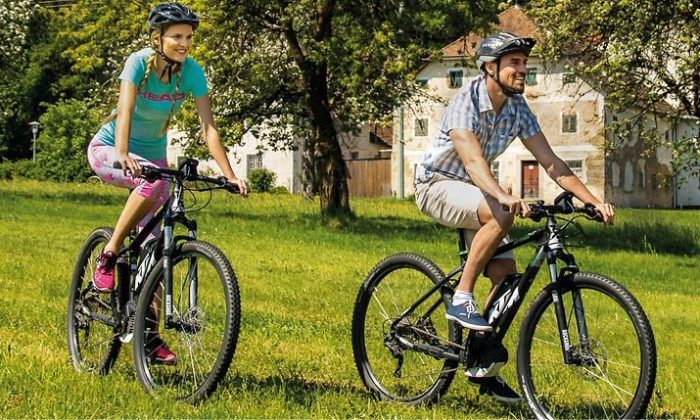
x,y
455,186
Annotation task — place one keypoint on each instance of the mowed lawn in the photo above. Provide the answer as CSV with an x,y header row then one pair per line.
x,y
299,277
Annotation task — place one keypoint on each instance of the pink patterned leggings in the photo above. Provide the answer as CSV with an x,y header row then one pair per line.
x,y
102,158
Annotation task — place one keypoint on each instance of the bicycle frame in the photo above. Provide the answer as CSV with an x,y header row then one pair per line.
x,y
172,212
549,249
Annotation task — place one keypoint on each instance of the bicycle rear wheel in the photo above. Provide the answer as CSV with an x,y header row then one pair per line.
x,y
205,323
613,373
388,367
92,329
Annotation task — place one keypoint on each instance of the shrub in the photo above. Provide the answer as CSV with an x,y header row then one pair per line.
x,y
66,129
261,180
25,169
5,170
279,189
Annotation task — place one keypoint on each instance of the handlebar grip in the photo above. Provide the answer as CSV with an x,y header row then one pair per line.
x,y
592,212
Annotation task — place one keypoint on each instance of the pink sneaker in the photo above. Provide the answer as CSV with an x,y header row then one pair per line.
x,y
162,355
103,277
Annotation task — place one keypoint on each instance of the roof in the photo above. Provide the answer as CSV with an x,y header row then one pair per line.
x,y
381,134
512,20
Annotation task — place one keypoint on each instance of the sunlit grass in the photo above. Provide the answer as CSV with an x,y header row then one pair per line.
x,y
299,276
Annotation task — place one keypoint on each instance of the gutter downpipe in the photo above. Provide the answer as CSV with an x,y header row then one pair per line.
x,y
400,192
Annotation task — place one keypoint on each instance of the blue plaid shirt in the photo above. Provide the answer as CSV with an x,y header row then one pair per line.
x,y
471,108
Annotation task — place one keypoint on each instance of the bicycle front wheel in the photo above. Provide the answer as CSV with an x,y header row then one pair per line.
x,y
92,329
613,367
382,339
202,331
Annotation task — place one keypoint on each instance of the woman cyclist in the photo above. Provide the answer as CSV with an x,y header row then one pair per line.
x,y
154,83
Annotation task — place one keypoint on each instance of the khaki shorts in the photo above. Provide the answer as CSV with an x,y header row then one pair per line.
x,y
455,204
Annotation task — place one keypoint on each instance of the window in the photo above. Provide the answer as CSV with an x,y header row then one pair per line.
x,y
531,76
629,177
456,78
253,162
568,123
422,82
641,170
421,127
568,78
354,155
576,167
495,166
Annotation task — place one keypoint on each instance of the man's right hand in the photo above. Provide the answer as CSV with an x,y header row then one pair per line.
x,y
514,205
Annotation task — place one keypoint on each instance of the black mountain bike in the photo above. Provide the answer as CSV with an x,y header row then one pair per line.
x,y
585,349
174,289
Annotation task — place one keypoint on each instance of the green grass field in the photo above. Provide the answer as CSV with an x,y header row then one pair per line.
x,y
299,277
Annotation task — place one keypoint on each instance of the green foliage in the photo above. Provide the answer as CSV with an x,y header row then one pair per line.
x,y
643,54
298,73
66,129
16,16
261,180
279,189
25,168
5,170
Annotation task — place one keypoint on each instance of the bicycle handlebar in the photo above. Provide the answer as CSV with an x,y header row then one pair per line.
x,y
563,204
540,210
152,173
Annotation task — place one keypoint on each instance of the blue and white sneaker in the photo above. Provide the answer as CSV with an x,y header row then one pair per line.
x,y
467,316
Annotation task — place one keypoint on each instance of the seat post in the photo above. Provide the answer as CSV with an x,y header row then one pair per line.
x,y
462,244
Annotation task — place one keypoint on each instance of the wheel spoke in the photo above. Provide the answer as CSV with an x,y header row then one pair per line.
x,y
604,378
199,324
387,364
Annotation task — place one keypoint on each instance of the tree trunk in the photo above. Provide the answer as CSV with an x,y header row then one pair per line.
x,y
325,171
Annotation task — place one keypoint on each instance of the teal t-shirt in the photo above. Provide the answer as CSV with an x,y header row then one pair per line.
x,y
153,103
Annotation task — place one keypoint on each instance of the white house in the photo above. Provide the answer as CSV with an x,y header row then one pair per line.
x,y
363,151
573,116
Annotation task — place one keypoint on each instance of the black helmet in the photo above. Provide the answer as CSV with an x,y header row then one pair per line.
x,y
171,13
497,45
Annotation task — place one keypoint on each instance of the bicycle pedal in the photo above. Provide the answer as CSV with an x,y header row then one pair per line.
x,y
484,371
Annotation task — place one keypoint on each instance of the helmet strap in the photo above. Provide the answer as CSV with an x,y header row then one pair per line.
x,y
169,63
508,91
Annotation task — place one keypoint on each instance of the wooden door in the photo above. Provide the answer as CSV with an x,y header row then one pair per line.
x,y
530,179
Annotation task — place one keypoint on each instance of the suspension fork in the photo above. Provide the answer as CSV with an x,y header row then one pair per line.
x,y
168,251
192,269
577,303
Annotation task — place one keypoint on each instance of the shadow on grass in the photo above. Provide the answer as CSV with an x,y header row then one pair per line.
x,y
641,235
651,237
305,393
86,197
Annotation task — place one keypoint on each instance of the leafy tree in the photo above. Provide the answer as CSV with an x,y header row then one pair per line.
x,y
642,53
310,69
16,16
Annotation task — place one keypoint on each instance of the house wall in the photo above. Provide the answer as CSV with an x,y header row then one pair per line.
x,y
636,177
549,98
285,164
358,146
